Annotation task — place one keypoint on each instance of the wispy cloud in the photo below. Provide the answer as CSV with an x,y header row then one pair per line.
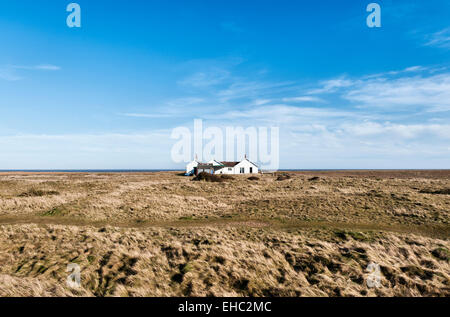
x,y
403,131
37,67
411,69
242,88
303,99
148,115
175,108
12,72
431,93
207,78
410,89
331,85
379,117
183,102
9,74
282,113
439,39
260,102
47,67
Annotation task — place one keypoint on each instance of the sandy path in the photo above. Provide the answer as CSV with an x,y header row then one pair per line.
x,y
434,231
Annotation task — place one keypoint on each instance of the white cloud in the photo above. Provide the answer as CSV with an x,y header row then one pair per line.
x,y
203,79
37,67
414,69
439,39
11,72
47,67
243,89
411,69
148,115
404,131
303,99
283,113
412,89
260,102
183,102
178,107
332,85
431,93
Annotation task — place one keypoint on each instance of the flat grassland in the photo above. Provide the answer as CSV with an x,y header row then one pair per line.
x,y
283,234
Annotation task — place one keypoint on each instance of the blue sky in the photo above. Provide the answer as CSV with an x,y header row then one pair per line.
x,y
108,95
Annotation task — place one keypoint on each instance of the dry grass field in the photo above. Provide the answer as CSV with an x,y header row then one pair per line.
x,y
288,234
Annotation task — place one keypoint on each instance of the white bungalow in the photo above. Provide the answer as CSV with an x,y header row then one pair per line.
x,y
216,167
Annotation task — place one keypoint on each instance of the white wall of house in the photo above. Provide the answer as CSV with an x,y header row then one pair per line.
x,y
244,167
226,170
190,166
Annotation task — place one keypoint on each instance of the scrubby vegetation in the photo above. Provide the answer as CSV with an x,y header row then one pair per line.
x,y
215,261
207,177
32,192
283,177
159,234
445,191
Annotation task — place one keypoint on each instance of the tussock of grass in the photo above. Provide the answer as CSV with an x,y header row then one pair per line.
x,y
38,193
57,211
207,177
441,254
358,236
283,177
445,191
186,268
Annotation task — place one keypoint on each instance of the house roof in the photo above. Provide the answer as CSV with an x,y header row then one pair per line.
x,y
252,163
233,164
209,166
223,164
230,164
204,165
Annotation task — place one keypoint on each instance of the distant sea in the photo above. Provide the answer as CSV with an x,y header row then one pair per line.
x,y
92,171
147,170
181,170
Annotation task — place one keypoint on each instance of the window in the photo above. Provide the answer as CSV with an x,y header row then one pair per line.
x,y
230,169
242,170
251,170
